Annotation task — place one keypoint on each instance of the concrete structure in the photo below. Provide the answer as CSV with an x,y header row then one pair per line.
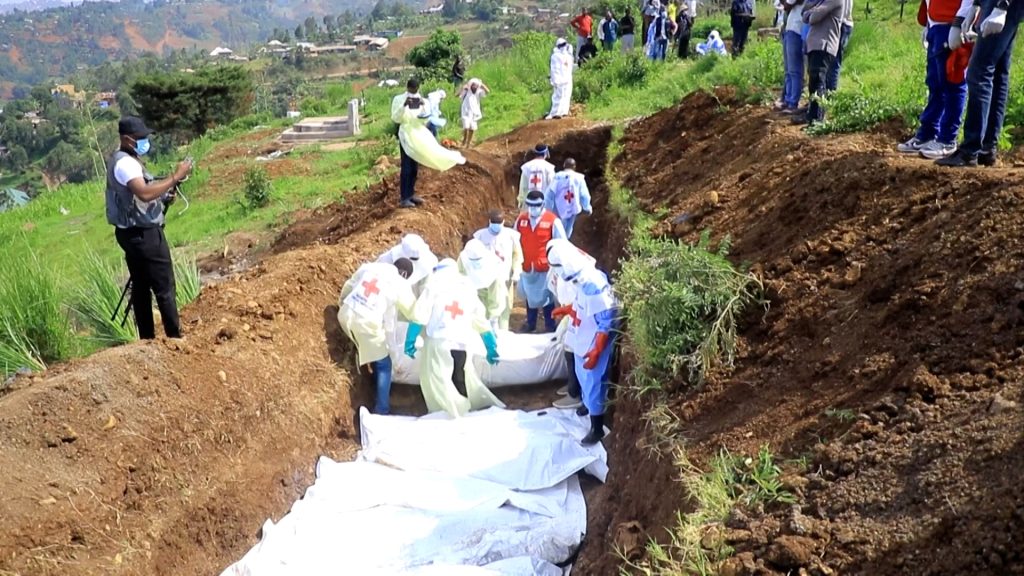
x,y
325,128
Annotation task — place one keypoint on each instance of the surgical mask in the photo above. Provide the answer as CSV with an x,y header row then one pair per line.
x,y
495,227
535,211
142,146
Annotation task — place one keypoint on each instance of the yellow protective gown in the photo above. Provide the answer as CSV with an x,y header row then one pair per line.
x,y
453,319
418,142
366,308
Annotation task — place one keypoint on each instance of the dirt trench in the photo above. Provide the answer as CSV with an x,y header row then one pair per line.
x,y
165,457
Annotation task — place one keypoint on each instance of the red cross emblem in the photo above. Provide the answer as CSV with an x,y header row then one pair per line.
x,y
575,319
569,196
454,310
370,288
535,181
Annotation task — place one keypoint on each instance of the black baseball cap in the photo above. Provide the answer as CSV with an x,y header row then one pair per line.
x,y
133,126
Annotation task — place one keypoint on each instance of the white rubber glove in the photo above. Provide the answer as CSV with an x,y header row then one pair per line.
x,y
924,37
994,23
956,38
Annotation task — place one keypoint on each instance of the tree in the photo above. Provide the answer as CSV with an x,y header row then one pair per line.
x,y
186,105
298,33
434,58
380,10
312,29
451,9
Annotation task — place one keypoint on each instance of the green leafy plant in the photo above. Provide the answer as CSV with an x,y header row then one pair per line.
x,y
187,281
683,303
258,188
96,298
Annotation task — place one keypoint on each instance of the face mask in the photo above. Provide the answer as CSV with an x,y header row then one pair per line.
x,y
495,227
142,146
535,211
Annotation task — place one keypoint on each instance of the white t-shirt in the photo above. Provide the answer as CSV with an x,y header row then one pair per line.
x,y
126,170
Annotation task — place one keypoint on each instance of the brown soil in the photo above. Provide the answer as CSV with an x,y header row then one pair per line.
x,y
890,355
166,457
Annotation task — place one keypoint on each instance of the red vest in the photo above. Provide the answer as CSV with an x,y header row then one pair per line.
x,y
535,241
940,11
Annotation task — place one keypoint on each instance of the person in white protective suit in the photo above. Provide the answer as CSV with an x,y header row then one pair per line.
x,y
412,114
483,269
568,196
504,243
470,112
415,248
594,314
537,174
436,120
561,79
713,45
366,312
451,318
560,250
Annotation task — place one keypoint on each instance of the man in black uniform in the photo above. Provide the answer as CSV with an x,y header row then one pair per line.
x,y
135,207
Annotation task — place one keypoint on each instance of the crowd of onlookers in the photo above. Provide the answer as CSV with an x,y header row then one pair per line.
x,y
660,26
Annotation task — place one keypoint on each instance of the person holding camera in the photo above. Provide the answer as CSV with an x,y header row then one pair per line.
x,y
412,101
135,205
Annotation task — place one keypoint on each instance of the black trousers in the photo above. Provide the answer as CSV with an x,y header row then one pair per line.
x,y
818,63
575,391
407,177
459,372
683,45
149,262
740,31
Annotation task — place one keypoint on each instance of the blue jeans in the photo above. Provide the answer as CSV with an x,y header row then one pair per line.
x,y
988,84
832,79
793,64
659,49
940,119
382,380
407,177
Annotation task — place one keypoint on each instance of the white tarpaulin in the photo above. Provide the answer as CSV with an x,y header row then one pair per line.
x,y
524,359
492,493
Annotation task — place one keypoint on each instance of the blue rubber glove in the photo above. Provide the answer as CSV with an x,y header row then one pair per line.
x,y
410,339
491,343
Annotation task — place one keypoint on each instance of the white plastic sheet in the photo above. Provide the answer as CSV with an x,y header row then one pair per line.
x,y
525,359
493,493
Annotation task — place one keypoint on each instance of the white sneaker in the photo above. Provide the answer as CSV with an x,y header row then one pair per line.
x,y
563,391
935,150
567,402
912,146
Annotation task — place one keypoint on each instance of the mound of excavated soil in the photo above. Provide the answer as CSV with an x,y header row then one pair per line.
x,y
890,356
166,457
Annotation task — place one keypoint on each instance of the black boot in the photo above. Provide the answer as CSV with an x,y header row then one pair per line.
x,y
582,411
596,431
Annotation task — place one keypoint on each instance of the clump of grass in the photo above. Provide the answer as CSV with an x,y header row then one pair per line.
x,y
188,283
683,303
696,544
96,298
34,324
257,188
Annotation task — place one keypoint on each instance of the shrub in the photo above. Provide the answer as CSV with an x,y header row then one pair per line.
x,y
257,188
96,299
34,325
683,303
188,283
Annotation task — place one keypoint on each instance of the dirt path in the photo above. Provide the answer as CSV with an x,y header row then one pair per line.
x,y
165,457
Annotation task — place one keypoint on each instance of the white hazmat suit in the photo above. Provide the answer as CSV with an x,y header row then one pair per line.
x,y
561,79
505,245
415,248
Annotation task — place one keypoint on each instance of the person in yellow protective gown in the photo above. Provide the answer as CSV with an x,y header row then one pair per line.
x,y
411,114
451,318
366,312
504,242
415,248
482,268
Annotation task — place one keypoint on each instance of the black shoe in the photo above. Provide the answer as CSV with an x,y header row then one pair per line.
x,y
406,204
958,159
596,431
988,158
582,411
416,200
800,119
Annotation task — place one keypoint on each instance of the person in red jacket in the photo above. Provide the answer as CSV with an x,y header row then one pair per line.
x,y
583,25
536,227
940,119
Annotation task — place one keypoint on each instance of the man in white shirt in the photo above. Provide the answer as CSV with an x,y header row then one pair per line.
x,y
135,205
471,94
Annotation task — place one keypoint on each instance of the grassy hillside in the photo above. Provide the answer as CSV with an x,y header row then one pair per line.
x,y
67,225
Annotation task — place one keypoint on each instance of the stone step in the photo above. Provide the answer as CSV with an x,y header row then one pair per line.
x,y
292,136
320,127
